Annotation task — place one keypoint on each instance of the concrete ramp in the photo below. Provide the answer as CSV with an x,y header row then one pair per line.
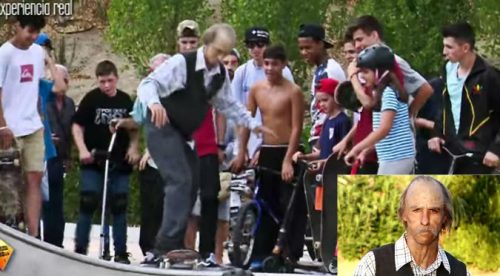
x,y
33,257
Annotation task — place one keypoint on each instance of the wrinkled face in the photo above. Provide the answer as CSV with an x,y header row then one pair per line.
x,y
350,53
310,49
107,83
231,63
256,50
369,76
326,102
363,40
424,213
273,68
187,44
217,51
454,50
27,35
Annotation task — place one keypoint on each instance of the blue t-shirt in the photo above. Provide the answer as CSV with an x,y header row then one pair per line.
x,y
47,96
455,85
333,131
399,143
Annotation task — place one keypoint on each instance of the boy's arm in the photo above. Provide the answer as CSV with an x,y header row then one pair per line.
x,y
386,121
58,78
293,143
297,122
423,94
78,131
133,154
220,123
245,132
366,100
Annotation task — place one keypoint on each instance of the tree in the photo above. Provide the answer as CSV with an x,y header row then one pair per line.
x,y
413,27
142,28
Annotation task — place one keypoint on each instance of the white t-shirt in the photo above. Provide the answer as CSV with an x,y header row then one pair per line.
x,y
20,73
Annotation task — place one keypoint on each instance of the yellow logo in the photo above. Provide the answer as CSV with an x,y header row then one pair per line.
x,y
5,254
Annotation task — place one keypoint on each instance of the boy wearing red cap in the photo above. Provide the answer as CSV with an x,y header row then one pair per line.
x,y
335,127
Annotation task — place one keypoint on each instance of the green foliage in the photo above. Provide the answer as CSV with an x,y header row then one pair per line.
x,y
368,216
413,31
475,244
142,28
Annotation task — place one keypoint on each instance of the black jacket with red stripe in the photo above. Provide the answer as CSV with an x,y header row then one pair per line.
x,y
479,129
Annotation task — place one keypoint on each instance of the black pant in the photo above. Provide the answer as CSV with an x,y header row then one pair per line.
x,y
209,187
53,214
277,194
151,195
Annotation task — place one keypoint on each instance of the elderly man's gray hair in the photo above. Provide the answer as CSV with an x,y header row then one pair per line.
x,y
157,57
447,201
220,29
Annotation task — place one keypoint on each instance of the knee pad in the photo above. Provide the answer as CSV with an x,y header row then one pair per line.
x,y
89,202
118,203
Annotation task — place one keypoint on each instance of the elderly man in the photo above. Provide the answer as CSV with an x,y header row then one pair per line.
x,y
178,95
426,209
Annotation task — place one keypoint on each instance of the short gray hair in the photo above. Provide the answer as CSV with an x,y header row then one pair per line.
x,y
157,57
447,200
211,34
63,70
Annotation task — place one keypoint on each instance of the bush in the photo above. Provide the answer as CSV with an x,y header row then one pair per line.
x,y
368,216
142,28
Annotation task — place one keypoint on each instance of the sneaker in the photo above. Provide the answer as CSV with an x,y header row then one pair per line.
x,y
150,260
122,258
255,266
106,256
80,250
210,261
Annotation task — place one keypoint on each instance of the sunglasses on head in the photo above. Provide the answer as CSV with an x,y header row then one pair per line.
x,y
251,45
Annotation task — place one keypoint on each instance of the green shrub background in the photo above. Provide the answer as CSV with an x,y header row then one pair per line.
x,y
368,216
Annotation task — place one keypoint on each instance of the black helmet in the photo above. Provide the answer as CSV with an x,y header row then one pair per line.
x,y
376,57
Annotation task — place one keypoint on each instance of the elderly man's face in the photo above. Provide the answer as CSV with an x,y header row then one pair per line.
x,y
424,212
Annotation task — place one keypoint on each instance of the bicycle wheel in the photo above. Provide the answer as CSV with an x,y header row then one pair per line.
x,y
243,236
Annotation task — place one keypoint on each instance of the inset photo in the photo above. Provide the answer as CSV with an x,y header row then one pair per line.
x,y
419,225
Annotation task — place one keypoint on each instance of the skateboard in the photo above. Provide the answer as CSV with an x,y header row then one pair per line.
x,y
346,97
11,188
314,217
331,169
181,259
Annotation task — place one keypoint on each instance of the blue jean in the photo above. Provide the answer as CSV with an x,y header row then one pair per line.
x,y
91,183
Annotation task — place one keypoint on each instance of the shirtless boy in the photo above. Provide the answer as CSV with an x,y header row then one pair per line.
x,y
281,104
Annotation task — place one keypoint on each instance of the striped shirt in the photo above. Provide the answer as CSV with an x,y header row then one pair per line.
x,y
399,143
402,256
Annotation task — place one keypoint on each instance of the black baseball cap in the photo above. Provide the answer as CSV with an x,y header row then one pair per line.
x,y
314,31
257,34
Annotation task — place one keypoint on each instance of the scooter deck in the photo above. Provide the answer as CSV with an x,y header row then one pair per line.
x,y
314,216
331,169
